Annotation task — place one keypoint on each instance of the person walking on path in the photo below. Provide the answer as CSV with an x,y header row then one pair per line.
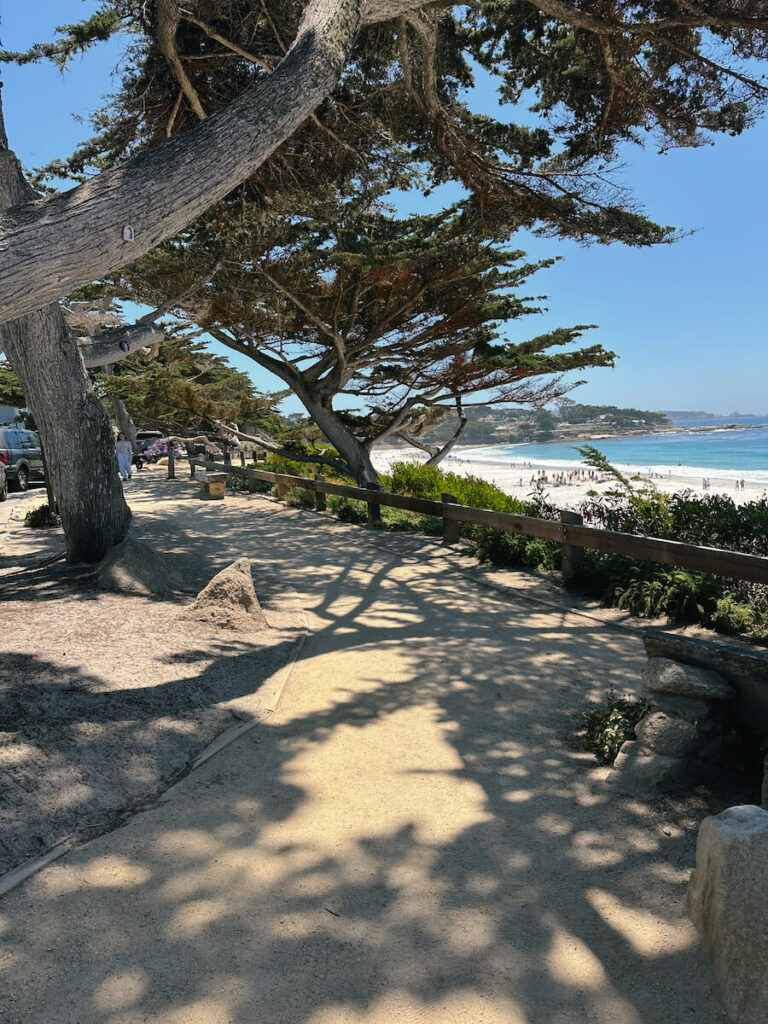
x,y
124,450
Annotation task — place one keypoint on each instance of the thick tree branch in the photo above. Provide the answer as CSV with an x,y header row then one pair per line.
x,y
112,346
167,25
287,453
601,26
51,247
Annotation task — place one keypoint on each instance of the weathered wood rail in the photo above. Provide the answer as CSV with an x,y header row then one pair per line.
x,y
568,532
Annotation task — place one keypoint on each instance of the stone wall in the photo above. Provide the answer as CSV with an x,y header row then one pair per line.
x,y
680,738
744,667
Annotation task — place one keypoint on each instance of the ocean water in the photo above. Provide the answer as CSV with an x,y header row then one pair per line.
x,y
731,453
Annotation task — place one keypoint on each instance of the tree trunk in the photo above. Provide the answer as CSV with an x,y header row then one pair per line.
x,y
74,429
48,482
355,453
124,422
438,457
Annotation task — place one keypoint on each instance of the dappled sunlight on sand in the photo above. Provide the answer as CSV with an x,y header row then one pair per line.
x,y
120,990
382,771
463,1007
413,837
109,872
647,933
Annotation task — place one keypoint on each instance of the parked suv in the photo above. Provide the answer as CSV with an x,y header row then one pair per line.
x,y
21,457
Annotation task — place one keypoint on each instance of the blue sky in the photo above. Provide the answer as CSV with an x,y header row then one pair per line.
x,y
687,320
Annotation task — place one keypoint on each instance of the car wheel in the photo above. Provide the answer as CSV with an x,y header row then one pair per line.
x,y
22,479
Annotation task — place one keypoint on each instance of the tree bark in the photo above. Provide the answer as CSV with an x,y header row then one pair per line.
x,y
75,432
355,453
124,422
74,429
47,249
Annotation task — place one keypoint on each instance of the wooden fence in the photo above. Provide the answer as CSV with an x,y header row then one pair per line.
x,y
569,531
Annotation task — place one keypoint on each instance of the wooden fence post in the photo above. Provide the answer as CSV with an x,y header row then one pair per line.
x,y
192,466
319,495
572,557
374,508
171,462
450,526
242,459
227,457
281,487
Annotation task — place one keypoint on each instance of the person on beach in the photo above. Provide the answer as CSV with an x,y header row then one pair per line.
x,y
124,450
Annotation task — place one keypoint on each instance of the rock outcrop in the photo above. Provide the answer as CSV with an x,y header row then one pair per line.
x,y
662,675
133,567
680,737
229,601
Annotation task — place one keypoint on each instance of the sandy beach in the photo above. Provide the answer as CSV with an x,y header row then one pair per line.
x,y
519,477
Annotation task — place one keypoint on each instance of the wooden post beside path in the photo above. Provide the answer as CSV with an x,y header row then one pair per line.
x,y
319,495
374,508
450,526
171,462
572,556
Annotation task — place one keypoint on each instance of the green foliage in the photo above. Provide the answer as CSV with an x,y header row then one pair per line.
x,y
610,415
432,482
713,520
681,595
42,516
595,458
76,39
650,590
348,510
607,728
10,388
181,387
299,497
510,550
732,616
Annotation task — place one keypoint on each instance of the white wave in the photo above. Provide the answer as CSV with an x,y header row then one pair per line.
x,y
491,456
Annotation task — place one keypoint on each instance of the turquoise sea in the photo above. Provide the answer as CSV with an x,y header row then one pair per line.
x,y
730,452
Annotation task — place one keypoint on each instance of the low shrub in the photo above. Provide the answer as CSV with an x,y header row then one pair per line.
x,y
42,516
607,728
431,482
648,589
735,617
299,497
508,550
348,510
400,520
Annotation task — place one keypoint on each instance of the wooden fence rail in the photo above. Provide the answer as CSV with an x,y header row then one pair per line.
x,y
569,532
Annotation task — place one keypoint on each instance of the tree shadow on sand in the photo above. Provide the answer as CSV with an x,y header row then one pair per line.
x,y
426,845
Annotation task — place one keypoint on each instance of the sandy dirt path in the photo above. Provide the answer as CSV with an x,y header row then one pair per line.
x,y
414,837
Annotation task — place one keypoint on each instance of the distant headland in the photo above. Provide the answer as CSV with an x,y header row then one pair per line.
x,y
698,414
